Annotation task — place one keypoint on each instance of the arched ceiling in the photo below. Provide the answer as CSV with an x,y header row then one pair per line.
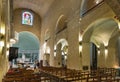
x,y
39,6
27,41
101,31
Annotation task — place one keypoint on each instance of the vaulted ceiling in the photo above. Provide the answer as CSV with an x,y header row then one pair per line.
x,y
39,6
101,32
26,40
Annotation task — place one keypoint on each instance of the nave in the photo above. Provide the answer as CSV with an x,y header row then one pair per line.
x,y
79,41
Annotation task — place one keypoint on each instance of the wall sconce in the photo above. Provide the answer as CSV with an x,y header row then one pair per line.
x,y
7,51
62,52
65,57
80,48
65,52
1,43
1,36
106,51
54,53
1,40
98,49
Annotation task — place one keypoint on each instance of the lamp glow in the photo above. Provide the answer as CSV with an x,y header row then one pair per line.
x,y
2,29
106,52
1,43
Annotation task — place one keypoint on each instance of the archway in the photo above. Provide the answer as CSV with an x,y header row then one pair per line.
x,y
114,46
100,33
61,24
28,45
46,61
61,53
93,56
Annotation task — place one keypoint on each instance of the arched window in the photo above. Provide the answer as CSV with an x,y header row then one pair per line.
x,y
27,18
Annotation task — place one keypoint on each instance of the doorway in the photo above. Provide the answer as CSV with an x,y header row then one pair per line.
x,y
93,56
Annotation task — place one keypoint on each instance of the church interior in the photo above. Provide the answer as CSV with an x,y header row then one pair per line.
x,y
59,41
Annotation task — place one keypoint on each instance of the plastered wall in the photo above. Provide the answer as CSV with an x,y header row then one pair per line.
x,y
74,26
19,27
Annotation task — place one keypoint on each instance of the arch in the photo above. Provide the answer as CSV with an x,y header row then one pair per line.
x,y
100,33
61,53
63,42
61,23
28,47
113,47
101,28
27,41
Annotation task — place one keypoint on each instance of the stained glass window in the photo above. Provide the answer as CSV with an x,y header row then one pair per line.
x,y
27,18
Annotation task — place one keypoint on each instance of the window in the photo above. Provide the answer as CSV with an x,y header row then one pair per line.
x,y
27,18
